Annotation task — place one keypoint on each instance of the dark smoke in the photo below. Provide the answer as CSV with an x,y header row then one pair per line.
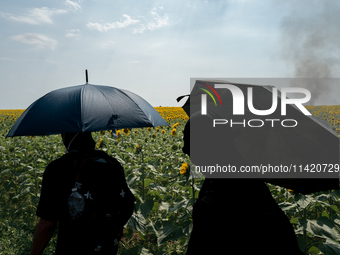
x,y
311,42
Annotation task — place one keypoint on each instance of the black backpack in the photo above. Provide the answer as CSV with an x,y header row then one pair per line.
x,y
108,203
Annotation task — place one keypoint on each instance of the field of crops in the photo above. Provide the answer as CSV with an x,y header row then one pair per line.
x,y
157,172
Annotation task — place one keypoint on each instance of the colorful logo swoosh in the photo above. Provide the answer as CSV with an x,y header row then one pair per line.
x,y
209,93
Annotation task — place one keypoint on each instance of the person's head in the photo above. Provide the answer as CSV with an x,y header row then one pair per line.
x,y
78,141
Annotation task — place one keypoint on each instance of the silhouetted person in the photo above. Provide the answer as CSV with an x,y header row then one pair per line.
x,y
100,180
233,216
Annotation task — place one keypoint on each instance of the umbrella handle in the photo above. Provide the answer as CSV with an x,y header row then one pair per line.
x,y
87,78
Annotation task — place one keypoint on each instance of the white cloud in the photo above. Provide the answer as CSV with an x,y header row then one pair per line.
x,y
157,23
139,30
73,33
159,7
35,16
41,41
73,5
108,26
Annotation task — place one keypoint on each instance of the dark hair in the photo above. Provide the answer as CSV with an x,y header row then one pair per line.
x,y
78,141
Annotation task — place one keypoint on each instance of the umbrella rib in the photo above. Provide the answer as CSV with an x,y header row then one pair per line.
x,y
133,101
245,156
135,104
264,143
96,87
277,131
292,148
302,139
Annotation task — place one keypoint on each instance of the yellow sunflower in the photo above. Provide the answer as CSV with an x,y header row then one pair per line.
x,y
173,132
183,168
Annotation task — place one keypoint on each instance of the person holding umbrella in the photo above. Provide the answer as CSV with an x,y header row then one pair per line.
x,y
75,111
234,214
78,236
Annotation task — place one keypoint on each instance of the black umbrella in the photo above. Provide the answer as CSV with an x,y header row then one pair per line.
x,y
295,141
85,108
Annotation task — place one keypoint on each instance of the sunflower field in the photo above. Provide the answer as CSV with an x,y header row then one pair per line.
x,y
157,172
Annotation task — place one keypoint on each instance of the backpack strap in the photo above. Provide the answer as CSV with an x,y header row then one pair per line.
x,y
78,162
79,168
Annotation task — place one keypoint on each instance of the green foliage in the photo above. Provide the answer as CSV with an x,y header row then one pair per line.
x,y
162,221
315,219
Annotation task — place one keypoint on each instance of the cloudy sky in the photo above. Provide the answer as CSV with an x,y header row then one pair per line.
x,y
153,48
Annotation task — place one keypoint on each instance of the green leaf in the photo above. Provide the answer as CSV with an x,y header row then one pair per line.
x,y
154,186
301,243
335,193
147,182
146,207
328,228
313,250
137,222
295,220
325,214
41,160
322,197
155,227
303,200
187,227
330,248
156,194
119,159
285,206
335,208
322,227
6,171
152,168
145,252
181,204
17,196
22,176
136,195
131,180
336,219
26,190
164,206
169,232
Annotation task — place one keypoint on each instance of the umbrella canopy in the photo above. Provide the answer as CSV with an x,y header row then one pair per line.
x,y
263,141
85,108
